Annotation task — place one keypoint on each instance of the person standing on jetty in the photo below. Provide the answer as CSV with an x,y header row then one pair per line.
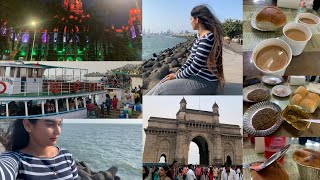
x,y
32,153
203,70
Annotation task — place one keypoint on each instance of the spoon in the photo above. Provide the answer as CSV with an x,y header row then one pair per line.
x,y
269,161
310,120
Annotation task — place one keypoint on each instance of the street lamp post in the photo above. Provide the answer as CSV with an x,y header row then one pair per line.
x,y
34,38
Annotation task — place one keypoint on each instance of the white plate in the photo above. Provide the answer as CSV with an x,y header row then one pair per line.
x,y
272,80
248,89
313,87
247,119
254,25
281,91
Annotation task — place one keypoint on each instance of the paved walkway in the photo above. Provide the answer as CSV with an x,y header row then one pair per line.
x,y
233,71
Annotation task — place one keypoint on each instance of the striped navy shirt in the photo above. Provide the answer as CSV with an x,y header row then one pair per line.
x,y
197,61
18,165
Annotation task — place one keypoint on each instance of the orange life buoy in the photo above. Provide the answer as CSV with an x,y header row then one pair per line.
x,y
76,86
54,88
4,87
91,86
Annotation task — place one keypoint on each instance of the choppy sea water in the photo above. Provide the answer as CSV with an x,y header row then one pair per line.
x,y
156,44
104,145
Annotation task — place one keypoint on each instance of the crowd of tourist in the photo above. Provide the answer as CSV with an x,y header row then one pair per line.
x,y
116,81
113,103
192,172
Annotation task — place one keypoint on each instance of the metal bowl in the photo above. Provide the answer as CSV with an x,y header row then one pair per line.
x,y
251,88
247,119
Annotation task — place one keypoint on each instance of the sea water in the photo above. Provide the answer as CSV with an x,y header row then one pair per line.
x,y
101,146
156,44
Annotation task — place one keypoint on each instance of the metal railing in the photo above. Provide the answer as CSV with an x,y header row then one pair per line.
x,y
41,115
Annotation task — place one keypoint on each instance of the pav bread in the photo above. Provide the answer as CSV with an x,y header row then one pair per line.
x,y
309,104
270,18
296,99
302,91
275,172
313,96
307,157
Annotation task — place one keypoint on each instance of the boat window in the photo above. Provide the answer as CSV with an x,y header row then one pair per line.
x,y
30,75
23,72
12,71
7,73
39,72
2,71
18,72
34,107
16,108
35,73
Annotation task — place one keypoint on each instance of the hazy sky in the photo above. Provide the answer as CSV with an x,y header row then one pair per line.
x,y
161,15
230,110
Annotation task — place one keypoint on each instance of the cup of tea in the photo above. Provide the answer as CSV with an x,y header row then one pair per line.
x,y
272,57
309,19
297,36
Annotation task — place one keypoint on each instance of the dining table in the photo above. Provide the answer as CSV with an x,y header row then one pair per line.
x,y
307,63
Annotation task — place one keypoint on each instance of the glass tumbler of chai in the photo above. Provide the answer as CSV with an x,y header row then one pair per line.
x,y
310,20
297,36
272,57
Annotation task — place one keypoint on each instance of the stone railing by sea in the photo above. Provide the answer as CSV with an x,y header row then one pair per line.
x,y
85,173
166,62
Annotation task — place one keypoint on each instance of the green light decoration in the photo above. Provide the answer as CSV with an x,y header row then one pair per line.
x,y
78,51
23,53
130,45
79,59
60,58
60,52
69,58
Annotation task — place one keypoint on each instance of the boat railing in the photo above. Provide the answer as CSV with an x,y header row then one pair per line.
x,y
41,115
52,88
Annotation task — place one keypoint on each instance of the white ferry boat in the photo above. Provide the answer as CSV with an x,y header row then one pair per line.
x,y
33,90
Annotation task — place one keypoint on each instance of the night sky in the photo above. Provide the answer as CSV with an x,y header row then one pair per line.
x,y
114,12
118,10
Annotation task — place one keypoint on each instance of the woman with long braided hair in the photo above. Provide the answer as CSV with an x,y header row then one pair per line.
x,y
203,71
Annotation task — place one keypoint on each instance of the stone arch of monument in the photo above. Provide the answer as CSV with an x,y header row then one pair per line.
x,y
203,146
163,156
228,150
172,137
163,149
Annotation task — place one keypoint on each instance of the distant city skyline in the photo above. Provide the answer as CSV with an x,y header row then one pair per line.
x,y
167,32
174,15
